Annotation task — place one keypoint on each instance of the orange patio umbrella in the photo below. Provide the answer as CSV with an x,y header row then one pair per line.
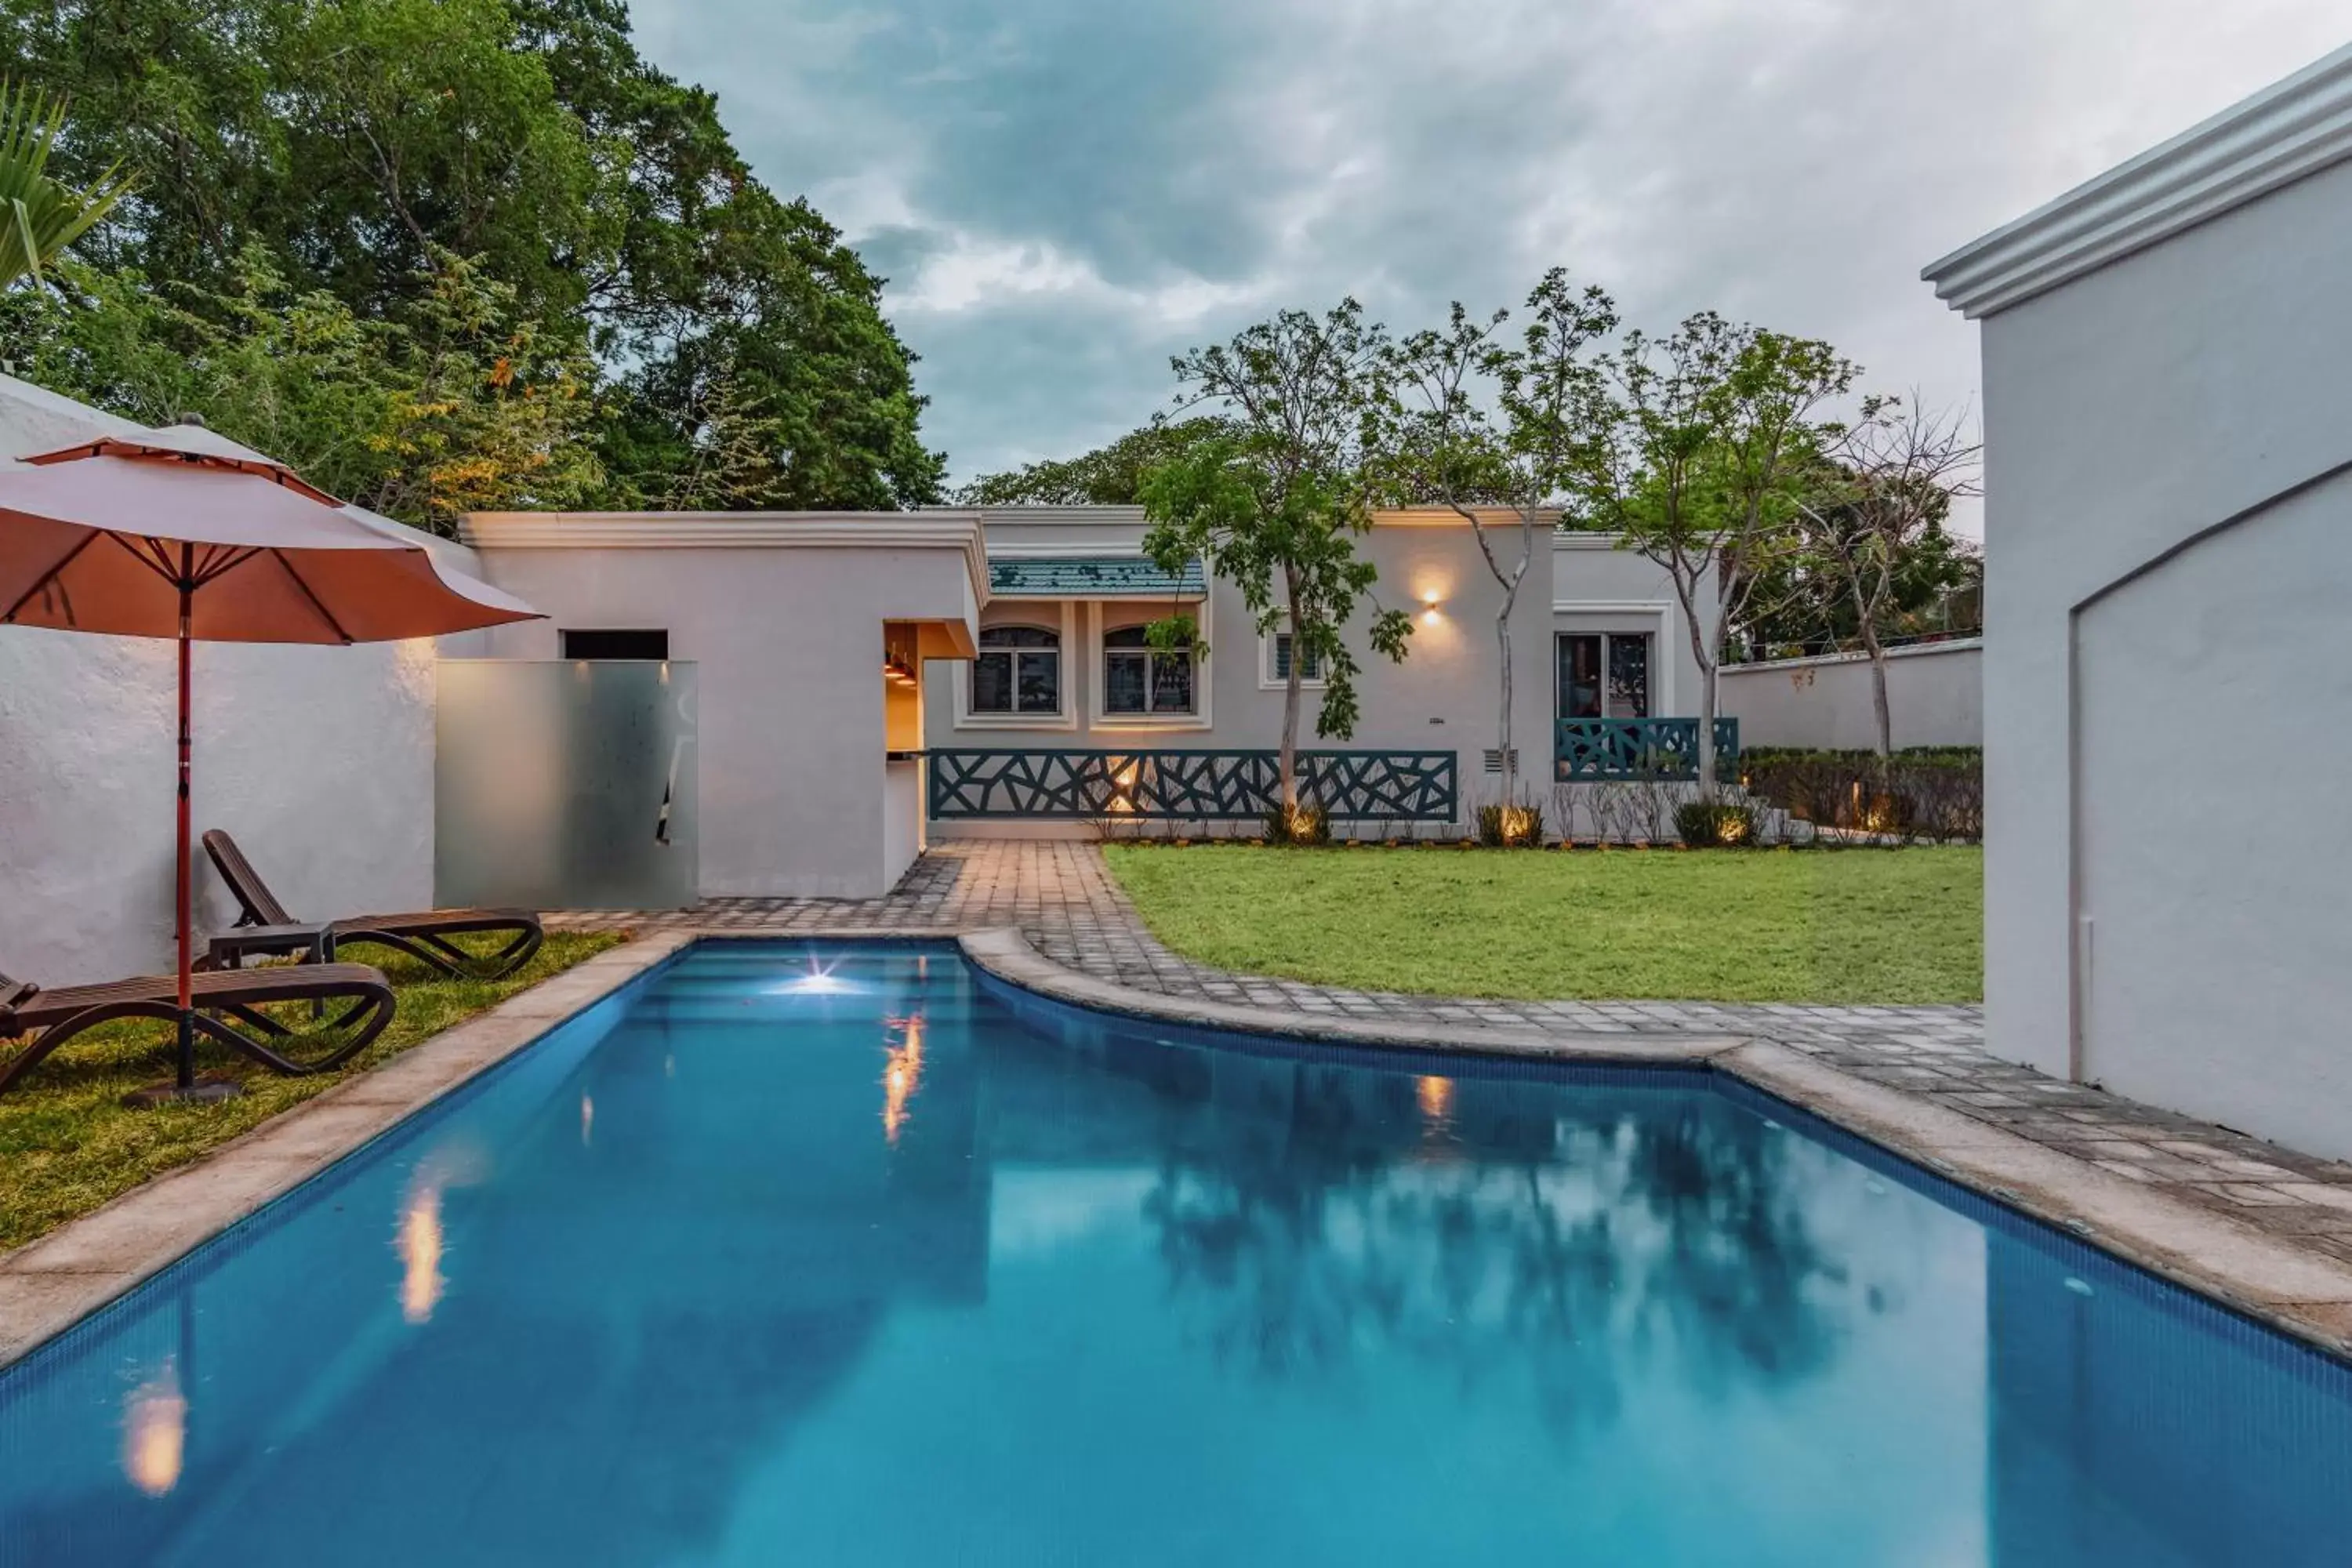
x,y
181,533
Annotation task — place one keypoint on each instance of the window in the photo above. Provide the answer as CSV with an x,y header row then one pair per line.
x,y
615,644
1629,675
1604,675
1140,678
1017,670
1278,656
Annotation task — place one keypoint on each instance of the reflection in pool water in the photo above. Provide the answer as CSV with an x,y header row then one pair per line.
x,y
1101,1294
902,1075
154,1433
420,1249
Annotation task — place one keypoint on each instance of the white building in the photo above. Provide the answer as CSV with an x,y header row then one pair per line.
x,y
2168,702
786,704
1063,677
867,681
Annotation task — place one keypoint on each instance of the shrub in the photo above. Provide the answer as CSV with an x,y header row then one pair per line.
x,y
1519,826
1303,824
1715,825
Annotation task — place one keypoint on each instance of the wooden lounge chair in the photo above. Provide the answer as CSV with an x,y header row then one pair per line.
x,y
227,1008
424,936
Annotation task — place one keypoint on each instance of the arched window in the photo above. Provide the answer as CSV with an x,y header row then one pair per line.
x,y
1140,678
1018,670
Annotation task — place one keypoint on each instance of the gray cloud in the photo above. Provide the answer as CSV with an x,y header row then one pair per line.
x,y
1066,192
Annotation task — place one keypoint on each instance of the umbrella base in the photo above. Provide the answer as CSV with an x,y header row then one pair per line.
x,y
204,1091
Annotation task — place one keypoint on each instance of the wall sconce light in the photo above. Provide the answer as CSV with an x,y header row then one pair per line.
x,y
1429,615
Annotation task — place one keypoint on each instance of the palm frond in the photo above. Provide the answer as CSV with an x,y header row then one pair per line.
x,y
39,216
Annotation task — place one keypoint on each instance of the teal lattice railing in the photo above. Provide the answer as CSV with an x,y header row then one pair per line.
x,y
1187,787
1586,750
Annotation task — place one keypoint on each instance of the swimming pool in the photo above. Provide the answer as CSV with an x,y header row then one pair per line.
x,y
848,1255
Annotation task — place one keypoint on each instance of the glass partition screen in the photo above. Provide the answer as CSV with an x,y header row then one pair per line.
x,y
565,786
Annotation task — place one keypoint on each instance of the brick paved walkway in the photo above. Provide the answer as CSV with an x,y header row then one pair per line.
x,y
1065,901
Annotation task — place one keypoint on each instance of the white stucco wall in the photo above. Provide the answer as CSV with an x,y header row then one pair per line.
x,y
1935,697
794,798
2212,756
320,760
2127,411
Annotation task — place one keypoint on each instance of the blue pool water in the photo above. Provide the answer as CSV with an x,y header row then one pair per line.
x,y
827,1255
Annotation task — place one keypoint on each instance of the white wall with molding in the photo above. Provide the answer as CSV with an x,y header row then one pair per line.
x,y
2169,557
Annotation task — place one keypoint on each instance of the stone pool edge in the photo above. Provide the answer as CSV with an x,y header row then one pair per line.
x,y
50,1285
2302,1293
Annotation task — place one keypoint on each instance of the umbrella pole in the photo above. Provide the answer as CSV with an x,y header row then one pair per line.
x,y
188,998
184,1086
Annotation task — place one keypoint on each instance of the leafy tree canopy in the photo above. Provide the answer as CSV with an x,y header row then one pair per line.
x,y
1802,605
358,145
1108,476
459,405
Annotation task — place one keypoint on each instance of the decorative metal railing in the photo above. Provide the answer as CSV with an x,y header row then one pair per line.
x,y
1188,786
1664,749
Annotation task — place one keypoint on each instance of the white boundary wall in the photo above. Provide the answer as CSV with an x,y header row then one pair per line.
x,y
1935,697
319,759
2168,532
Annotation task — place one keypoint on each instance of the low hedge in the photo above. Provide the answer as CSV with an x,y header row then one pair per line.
x,y
1934,793
1925,756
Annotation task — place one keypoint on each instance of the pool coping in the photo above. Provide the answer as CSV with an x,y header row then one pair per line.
x,y
2302,1293
48,1285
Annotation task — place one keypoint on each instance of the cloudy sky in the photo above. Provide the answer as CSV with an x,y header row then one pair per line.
x,y
1063,193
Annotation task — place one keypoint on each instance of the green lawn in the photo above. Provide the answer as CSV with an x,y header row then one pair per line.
x,y
1852,925
68,1145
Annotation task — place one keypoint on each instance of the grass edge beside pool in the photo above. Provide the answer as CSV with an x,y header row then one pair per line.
x,y
69,1146
1831,926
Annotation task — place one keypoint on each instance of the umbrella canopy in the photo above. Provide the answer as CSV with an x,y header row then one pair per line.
x,y
181,533
100,536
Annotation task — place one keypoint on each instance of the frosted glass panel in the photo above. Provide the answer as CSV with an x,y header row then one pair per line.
x,y
565,786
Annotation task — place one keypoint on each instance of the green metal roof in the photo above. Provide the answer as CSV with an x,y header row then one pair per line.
x,y
1092,577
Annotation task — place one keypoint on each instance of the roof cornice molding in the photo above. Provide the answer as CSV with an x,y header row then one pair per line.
x,y
2285,133
1060,549
1060,516
1446,517
1133,517
929,530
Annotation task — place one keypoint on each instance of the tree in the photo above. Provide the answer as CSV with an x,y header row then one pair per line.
x,y
719,294
353,140
1700,445
1523,453
40,214
1108,476
732,462
1800,608
1277,504
459,405
1894,473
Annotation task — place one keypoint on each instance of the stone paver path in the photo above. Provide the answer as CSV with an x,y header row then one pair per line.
x,y
1063,898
